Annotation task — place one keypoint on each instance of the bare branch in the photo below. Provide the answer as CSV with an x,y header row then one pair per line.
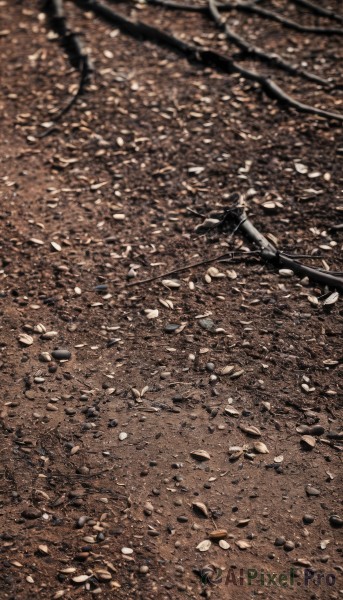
x,y
207,57
271,254
285,22
319,10
271,58
250,7
74,48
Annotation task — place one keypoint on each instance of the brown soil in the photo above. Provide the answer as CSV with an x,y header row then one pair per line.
x,y
146,120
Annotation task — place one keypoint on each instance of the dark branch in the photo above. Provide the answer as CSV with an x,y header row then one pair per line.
x,y
277,258
271,58
288,23
203,56
319,10
73,46
248,7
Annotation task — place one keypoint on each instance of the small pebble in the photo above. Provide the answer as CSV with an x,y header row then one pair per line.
x,y
336,521
308,519
61,354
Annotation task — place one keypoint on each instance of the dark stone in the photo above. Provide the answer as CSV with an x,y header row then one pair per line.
x,y
31,513
171,327
336,521
308,519
61,354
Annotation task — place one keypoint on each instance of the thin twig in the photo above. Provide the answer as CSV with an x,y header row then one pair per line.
x,y
193,265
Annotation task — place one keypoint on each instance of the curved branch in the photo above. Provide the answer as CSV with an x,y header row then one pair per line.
x,y
70,40
176,6
74,48
288,23
271,58
250,7
201,55
319,10
271,254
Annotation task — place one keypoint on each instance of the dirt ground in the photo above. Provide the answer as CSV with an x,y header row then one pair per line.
x,y
99,472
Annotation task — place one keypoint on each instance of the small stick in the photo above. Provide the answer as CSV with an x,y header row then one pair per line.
x,y
191,266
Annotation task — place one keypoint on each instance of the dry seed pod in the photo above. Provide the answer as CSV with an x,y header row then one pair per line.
x,y
286,272
308,441
269,206
55,246
80,578
171,283
236,374
151,313
300,168
200,455
242,544
103,575
235,455
227,370
261,448
204,546
67,570
243,522
201,507
25,339
230,410
250,430
331,299
231,274
218,534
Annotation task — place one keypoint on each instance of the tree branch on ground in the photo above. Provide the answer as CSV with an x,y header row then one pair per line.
x,y
238,218
250,7
74,48
319,10
269,58
206,57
